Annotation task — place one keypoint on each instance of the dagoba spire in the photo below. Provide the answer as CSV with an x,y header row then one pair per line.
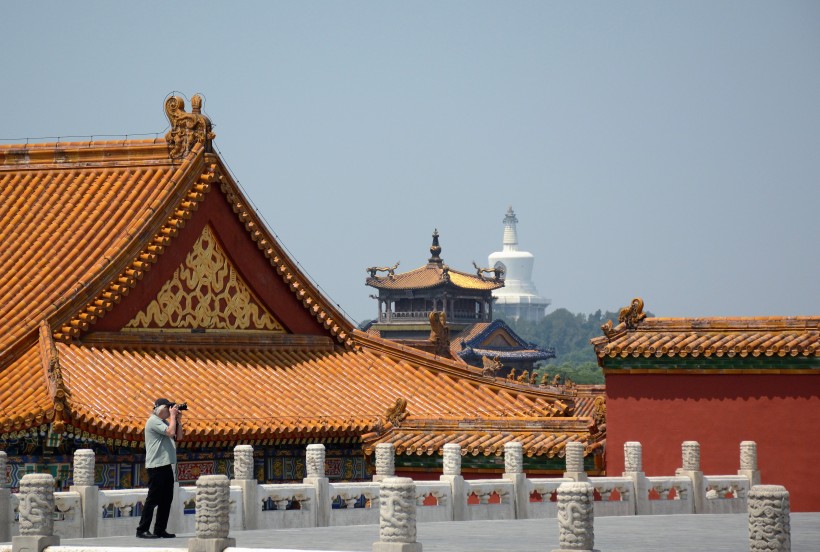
x,y
510,233
519,298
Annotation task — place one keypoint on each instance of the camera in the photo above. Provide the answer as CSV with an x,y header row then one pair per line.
x,y
183,406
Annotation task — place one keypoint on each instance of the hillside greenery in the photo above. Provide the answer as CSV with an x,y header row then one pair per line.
x,y
569,334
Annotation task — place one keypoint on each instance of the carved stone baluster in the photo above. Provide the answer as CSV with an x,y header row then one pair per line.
x,y
244,476
397,516
691,455
5,501
748,462
514,471
769,518
315,464
84,461
575,517
575,462
633,457
213,495
36,510
385,461
452,475
690,451
452,459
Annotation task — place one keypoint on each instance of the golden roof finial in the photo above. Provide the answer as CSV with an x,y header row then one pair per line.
x,y
187,129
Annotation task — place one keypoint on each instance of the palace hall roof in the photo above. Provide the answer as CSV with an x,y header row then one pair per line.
x,y
435,273
637,336
134,270
496,339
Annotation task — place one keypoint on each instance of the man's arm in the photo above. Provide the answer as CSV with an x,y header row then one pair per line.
x,y
173,426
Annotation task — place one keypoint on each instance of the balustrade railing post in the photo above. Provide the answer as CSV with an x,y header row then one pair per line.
x,y
36,511
83,477
452,475
574,457
397,516
514,471
769,519
244,477
385,461
5,501
633,469
315,465
690,452
213,500
748,462
576,517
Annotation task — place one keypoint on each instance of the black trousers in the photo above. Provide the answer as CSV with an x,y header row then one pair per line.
x,y
160,496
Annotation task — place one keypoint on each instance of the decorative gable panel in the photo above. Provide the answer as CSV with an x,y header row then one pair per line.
x,y
206,292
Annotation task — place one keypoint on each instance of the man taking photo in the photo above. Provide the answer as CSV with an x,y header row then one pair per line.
x,y
162,429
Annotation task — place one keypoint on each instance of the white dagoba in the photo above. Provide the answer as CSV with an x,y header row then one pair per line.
x,y
518,299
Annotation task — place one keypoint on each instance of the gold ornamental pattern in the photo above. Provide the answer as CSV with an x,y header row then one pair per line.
x,y
206,292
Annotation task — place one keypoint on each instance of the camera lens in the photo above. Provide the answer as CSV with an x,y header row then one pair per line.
x,y
183,406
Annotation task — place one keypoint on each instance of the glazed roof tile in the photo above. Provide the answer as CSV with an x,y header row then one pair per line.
x,y
713,337
486,437
264,386
432,275
55,237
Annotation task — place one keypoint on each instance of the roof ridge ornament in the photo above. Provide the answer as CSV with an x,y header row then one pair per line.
x,y
435,250
187,129
632,315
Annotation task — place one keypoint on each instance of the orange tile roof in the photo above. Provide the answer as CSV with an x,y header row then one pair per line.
x,y
718,337
487,436
432,275
67,212
266,386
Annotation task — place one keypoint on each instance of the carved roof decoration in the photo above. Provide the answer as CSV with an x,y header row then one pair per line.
x,y
206,291
187,129
740,337
435,273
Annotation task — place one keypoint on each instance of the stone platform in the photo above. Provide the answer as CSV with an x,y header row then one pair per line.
x,y
727,532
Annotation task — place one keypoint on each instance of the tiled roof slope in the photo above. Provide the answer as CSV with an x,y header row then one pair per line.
x,y
433,275
797,336
268,386
487,436
56,240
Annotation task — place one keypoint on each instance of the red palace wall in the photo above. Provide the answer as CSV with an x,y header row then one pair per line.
x,y
779,412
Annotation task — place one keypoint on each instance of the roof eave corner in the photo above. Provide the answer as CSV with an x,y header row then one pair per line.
x,y
57,389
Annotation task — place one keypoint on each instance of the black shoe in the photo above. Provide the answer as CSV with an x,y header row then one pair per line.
x,y
146,535
166,535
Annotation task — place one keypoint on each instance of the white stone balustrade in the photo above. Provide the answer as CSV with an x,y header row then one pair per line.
x,y
310,503
769,519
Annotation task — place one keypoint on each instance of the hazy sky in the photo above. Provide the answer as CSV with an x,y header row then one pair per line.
x,y
668,150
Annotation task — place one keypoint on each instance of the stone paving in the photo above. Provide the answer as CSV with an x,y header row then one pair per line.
x,y
716,533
